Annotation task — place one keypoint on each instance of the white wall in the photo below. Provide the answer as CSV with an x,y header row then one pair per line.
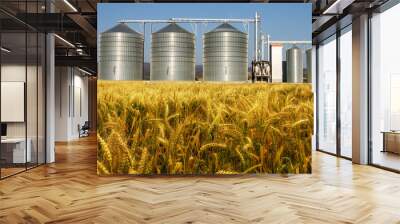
x,y
81,94
62,83
13,72
71,87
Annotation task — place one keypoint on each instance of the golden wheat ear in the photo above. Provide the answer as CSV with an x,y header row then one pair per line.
x,y
101,169
143,160
107,155
204,128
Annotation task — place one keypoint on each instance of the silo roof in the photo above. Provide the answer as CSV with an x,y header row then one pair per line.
x,y
226,27
122,28
173,27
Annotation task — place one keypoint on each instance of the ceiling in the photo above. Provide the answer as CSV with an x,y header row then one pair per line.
x,y
74,22
329,14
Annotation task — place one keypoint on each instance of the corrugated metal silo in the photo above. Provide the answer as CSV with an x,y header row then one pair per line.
x,y
172,54
121,54
294,60
225,54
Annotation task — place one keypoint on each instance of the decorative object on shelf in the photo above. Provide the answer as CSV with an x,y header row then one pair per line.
x,y
391,141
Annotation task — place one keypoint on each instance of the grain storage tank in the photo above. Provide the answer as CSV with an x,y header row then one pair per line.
x,y
308,77
172,54
225,54
121,54
294,63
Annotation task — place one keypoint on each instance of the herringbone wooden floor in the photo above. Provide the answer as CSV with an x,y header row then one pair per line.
x,y
69,191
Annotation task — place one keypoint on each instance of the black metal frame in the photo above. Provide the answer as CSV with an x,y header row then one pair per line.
x,y
338,98
369,90
37,164
26,88
316,97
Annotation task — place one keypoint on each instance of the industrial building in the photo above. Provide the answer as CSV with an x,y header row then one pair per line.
x,y
225,52
51,60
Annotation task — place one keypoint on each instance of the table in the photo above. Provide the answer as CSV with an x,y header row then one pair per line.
x,y
391,141
13,150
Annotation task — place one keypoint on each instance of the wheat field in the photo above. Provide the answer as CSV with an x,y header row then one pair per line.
x,y
203,128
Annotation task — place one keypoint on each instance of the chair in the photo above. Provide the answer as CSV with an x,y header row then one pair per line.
x,y
84,130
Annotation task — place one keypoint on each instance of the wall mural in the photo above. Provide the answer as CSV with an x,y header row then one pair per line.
x,y
203,128
193,96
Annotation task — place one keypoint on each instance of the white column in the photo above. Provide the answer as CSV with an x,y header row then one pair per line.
x,y
50,99
50,91
256,33
360,90
268,48
262,46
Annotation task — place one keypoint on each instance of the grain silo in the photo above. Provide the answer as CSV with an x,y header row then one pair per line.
x,y
294,63
172,54
225,54
121,54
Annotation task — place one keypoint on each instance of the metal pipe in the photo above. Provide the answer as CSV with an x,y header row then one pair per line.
x,y
290,42
268,47
256,20
187,20
262,46
65,41
145,21
144,43
70,5
5,49
190,20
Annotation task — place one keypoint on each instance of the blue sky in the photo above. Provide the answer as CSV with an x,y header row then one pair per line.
x,y
288,21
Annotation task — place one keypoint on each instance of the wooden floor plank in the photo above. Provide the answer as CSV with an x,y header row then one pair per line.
x,y
69,191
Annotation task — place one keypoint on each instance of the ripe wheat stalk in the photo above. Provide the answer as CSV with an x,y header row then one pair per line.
x,y
203,128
